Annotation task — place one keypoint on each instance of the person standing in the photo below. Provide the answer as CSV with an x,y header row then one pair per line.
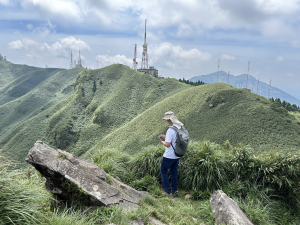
x,y
169,160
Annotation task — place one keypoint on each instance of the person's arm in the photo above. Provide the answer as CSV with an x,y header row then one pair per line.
x,y
167,144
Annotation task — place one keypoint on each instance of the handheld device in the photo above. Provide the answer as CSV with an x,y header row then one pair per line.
x,y
161,138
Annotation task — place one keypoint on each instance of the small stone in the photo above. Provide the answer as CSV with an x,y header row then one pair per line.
x,y
136,222
194,219
188,196
156,221
170,207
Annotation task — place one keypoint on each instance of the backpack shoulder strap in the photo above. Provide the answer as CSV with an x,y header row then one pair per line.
x,y
174,128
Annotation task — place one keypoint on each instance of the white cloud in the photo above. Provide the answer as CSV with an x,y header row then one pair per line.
x,y
29,26
296,44
176,56
4,2
60,48
66,9
290,74
280,58
227,57
106,60
17,45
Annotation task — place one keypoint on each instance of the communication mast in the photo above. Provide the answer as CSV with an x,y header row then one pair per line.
x,y
248,74
145,54
219,62
71,63
257,86
269,90
134,66
228,77
79,60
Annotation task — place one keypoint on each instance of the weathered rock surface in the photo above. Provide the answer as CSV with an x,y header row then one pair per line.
x,y
227,211
65,171
136,222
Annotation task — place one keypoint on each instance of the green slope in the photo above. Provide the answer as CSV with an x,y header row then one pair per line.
x,y
238,116
79,121
17,80
46,94
118,107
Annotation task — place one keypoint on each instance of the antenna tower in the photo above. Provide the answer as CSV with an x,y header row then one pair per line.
x,y
134,66
219,62
228,77
145,54
71,63
248,73
269,90
79,60
257,86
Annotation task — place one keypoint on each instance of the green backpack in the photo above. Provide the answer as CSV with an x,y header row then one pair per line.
x,y
182,141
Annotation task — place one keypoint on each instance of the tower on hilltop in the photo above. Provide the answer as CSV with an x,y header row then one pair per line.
x,y
79,60
135,63
71,63
145,54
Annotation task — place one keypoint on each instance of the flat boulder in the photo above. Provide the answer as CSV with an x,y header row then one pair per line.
x,y
68,176
226,211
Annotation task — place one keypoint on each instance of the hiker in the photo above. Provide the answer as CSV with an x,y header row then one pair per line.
x,y
170,160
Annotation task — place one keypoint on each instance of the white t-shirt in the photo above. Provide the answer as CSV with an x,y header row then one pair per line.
x,y
171,137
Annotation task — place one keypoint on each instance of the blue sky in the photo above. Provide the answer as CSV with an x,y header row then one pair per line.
x,y
185,37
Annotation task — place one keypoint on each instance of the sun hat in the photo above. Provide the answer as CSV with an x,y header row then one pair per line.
x,y
171,116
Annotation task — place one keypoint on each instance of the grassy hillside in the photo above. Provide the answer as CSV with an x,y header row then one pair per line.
x,y
240,81
104,100
237,116
120,108
44,95
17,80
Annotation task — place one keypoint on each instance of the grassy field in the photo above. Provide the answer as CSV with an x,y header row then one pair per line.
x,y
117,107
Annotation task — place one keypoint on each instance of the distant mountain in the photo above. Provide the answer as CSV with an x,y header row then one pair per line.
x,y
240,82
119,108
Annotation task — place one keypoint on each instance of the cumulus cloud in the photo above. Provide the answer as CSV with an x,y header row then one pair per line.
x,y
17,45
66,9
176,55
227,57
106,60
60,48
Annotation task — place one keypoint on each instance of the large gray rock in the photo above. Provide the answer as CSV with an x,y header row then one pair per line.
x,y
68,175
226,211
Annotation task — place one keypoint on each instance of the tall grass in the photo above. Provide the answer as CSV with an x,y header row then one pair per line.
x,y
21,199
265,185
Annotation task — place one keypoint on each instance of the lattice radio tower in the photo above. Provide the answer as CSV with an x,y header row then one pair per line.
x,y
79,60
71,63
269,90
145,54
248,73
219,63
135,63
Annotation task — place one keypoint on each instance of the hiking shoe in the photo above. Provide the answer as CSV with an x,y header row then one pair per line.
x,y
174,194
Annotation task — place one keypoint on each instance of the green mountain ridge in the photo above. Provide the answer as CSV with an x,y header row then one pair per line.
x,y
120,108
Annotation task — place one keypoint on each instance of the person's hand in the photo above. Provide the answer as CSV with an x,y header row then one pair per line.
x,y
161,135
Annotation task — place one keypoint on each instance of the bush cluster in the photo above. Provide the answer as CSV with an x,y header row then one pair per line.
x,y
288,106
197,83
